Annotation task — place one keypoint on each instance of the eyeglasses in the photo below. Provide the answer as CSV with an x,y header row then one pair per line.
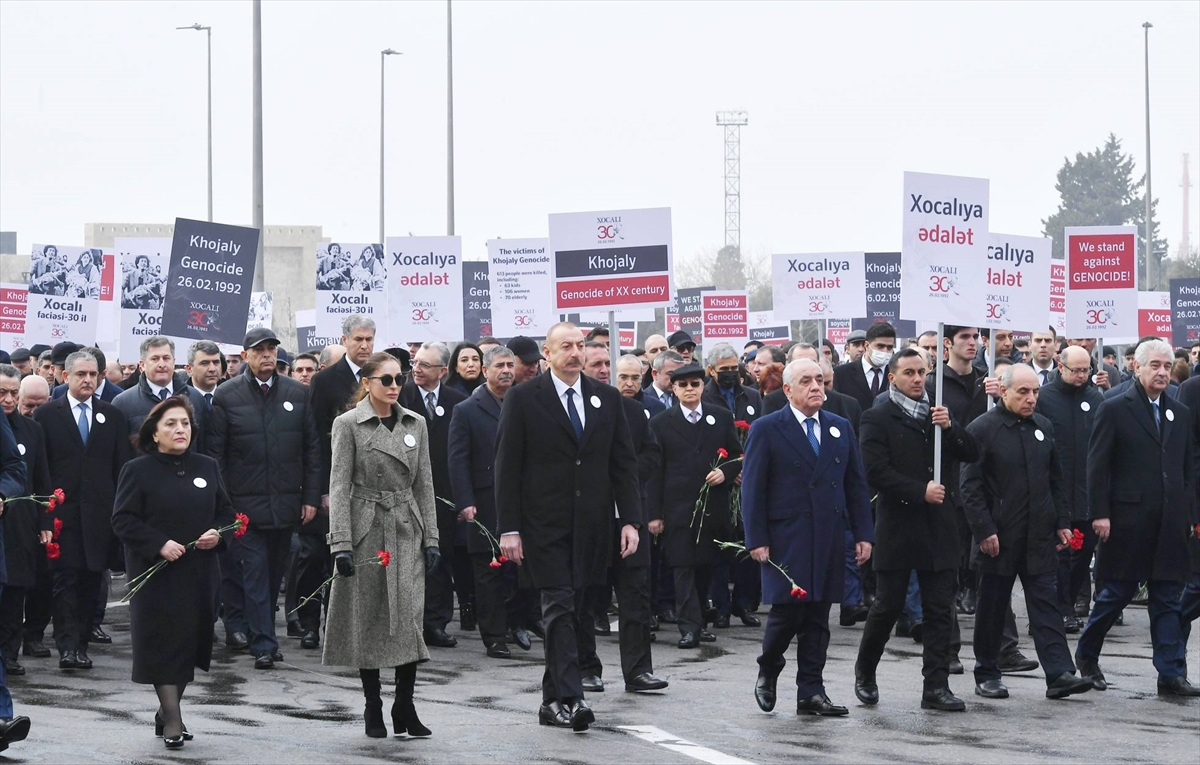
x,y
1080,371
693,383
388,381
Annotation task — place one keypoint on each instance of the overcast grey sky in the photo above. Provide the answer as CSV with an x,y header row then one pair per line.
x,y
564,106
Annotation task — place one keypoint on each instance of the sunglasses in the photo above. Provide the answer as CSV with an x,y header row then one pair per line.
x,y
693,383
388,381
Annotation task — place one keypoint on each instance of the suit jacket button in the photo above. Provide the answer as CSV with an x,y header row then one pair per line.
x,y
578,462
797,464
577,492
837,460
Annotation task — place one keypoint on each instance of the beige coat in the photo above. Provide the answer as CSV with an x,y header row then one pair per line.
x,y
380,498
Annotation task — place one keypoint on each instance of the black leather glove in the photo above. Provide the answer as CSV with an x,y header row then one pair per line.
x,y
433,559
344,562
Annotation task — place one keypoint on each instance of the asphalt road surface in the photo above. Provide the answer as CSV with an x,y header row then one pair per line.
x,y
484,710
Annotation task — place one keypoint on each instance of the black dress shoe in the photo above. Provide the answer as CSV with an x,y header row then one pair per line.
x,y
749,619
903,628
13,667
1082,608
707,637
521,637
99,636
466,618
276,655
645,682
820,705
159,725
294,630
969,602
1067,684
721,622
991,689
66,660
237,641
852,615
956,667
1177,686
592,684
82,661
581,716
668,617
439,639
499,650
36,649
917,631
1091,670
1016,661
1071,625
537,629
310,640
13,730
689,640
710,613
653,623
865,687
173,742
553,714
601,626
264,662
764,691
942,699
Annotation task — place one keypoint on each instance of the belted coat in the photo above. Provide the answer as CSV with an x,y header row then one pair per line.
x,y
380,498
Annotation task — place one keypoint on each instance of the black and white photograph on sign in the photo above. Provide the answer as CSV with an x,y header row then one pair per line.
x,y
351,268
143,283
65,271
261,310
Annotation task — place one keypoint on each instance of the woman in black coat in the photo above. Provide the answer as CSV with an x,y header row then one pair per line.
x,y
165,500
466,369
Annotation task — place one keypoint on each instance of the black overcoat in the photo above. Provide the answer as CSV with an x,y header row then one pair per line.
x,y
472,465
164,497
1014,491
412,397
1143,481
24,520
689,452
897,453
746,400
1071,410
89,476
558,490
1189,396
649,457
329,394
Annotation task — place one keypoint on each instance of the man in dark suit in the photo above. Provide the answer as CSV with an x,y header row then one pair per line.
x,y
564,457
867,378
105,391
1044,345
835,403
1141,497
329,393
87,443
725,389
916,525
802,485
157,383
425,393
472,459
629,384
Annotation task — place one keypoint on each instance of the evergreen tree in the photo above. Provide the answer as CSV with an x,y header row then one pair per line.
x,y
728,273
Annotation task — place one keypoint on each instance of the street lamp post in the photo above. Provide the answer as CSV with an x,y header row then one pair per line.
x,y
197,27
382,55
449,119
1150,283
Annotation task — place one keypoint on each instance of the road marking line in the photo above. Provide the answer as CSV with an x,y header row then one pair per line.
x,y
675,744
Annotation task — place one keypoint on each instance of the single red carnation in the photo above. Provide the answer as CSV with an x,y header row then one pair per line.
x,y
385,558
52,550
799,593
60,495
57,527
502,559
494,564
51,504
240,531
722,453
741,425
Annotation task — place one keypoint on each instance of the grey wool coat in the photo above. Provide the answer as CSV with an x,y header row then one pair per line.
x,y
380,498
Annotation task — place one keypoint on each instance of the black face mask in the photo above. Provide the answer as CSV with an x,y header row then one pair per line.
x,y
727,379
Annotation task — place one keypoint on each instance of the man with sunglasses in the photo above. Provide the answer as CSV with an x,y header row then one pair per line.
x,y
425,393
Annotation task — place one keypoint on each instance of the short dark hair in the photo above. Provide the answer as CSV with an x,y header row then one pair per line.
x,y
777,354
756,343
595,344
597,332
310,357
145,435
488,340
900,355
880,329
953,329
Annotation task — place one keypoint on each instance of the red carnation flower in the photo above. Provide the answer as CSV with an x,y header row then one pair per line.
x,y
799,593
502,559
495,564
60,495
50,505
52,550
741,425
241,530
57,527
385,558
722,453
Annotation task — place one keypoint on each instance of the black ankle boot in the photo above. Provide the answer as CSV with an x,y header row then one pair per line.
x,y
404,711
373,713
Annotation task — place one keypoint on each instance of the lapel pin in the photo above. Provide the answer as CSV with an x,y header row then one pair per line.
x,y
749,410
409,441
710,420
1085,406
100,417
199,482
287,405
833,431
1170,415
595,402
439,411
21,447
1039,435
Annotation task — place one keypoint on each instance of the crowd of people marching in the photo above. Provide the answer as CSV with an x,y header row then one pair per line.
x,y
351,498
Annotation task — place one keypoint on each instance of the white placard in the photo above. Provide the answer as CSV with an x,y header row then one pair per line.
x,y
141,288
1101,299
522,287
351,279
820,285
725,318
64,294
944,248
609,261
1018,282
425,289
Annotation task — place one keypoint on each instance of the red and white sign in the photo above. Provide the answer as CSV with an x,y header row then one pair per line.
x,y
12,316
1017,276
944,248
611,260
725,318
1101,298
1058,302
674,322
628,336
837,330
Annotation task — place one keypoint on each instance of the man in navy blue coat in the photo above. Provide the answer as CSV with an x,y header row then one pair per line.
x,y
803,485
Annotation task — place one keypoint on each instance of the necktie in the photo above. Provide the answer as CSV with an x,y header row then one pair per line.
x,y
1045,376
874,383
162,394
666,399
429,405
811,424
84,426
573,413
265,388
208,400
693,417
1157,414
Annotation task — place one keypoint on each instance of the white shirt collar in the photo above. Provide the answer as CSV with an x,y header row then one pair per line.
x,y
1039,369
76,402
687,413
869,370
355,368
801,418
561,387
437,393
155,388
1154,401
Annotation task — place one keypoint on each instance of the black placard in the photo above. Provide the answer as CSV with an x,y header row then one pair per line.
x,y
209,281
477,300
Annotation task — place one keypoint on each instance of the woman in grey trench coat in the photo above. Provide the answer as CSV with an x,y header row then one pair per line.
x,y
380,499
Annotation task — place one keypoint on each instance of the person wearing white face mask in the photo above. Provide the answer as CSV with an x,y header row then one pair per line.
x,y
866,378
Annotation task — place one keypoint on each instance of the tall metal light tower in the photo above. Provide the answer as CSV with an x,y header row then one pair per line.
x,y
1185,240
733,121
